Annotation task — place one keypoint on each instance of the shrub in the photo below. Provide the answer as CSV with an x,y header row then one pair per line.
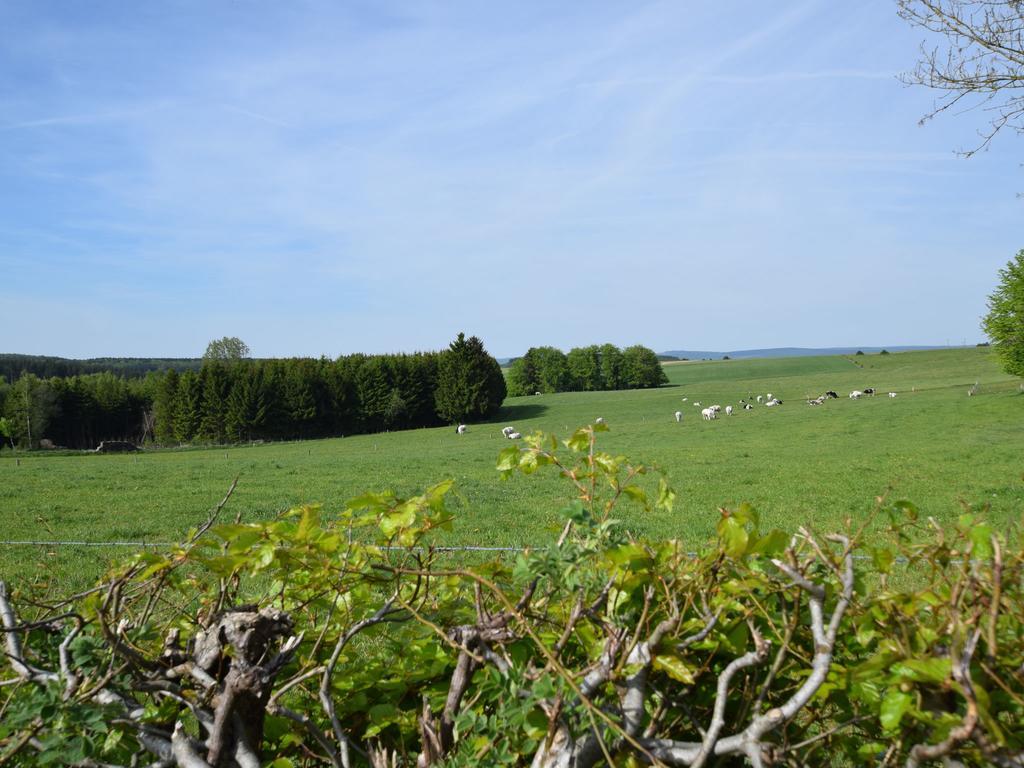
x,y
346,639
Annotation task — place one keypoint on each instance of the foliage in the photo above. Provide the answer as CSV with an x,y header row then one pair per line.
x,y
12,366
345,639
585,369
242,400
226,348
980,65
470,384
1004,323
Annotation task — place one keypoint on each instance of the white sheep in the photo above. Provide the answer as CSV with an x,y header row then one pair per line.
x,y
514,435
708,414
769,396
461,429
716,408
685,399
773,402
892,394
679,416
728,410
759,399
506,431
599,420
856,394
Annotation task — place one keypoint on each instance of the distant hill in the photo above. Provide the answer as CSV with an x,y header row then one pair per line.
x,y
789,352
13,365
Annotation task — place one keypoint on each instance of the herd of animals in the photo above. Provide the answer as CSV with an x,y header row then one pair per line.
x,y
711,412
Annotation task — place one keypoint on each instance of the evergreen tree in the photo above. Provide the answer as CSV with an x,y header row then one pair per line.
x,y
187,407
246,405
300,400
216,385
470,384
165,397
373,386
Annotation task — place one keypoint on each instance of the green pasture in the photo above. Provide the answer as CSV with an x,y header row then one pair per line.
x,y
796,464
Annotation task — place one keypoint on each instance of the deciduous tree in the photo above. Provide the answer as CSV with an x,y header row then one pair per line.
x,y
978,62
1004,323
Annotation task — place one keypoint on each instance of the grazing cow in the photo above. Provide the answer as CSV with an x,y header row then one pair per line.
x,y
748,407
708,414
728,410
461,429
892,394
679,416
832,394
870,391
856,394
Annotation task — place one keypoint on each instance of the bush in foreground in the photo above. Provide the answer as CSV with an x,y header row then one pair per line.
x,y
346,639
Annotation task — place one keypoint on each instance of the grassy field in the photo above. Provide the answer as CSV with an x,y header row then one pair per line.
x,y
931,444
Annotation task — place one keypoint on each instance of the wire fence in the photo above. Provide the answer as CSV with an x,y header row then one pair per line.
x,y
454,548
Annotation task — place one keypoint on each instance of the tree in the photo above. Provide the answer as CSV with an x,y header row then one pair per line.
x,y
611,367
31,405
227,348
584,364
981,63
1004,323
641,368
470,384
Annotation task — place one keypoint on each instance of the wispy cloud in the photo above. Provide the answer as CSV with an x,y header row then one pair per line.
x,y
257,116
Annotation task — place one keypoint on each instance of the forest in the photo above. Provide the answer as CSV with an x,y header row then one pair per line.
x,y
585,369
228,401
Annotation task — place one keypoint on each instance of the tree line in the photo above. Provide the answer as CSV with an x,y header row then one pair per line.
x,y
240,400
585,369
12,366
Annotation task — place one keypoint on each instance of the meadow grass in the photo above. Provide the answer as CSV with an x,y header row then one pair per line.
x,y
796,464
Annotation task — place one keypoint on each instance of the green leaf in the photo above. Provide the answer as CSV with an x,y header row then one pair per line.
x,y
733,535
675,668
894,706
981,542
906,507
579,441
666,495
635,492
402,518
924,670
508,459
772,543
882,558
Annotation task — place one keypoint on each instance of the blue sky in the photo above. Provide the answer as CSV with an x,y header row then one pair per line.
x,y
328,177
